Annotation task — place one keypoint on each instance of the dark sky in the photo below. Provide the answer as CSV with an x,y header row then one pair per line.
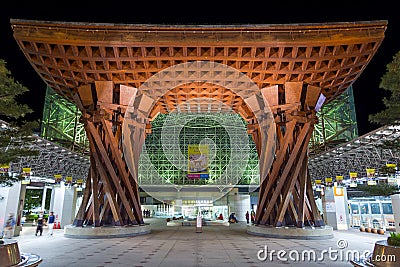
x,y
368,96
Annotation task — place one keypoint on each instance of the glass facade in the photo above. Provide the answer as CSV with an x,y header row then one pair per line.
x,y
231,151
337,123
60,123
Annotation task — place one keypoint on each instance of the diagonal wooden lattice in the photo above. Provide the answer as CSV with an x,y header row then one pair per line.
x,y
101,67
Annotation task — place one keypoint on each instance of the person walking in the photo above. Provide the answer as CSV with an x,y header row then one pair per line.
x,y
9,227
40,223
247,217
253,216
50,222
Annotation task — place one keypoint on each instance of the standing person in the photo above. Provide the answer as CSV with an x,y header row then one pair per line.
x,y
253,216
9,227
247,217
40,223
50,222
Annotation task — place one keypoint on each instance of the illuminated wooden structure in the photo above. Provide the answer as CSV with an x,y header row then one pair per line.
x,y
100,67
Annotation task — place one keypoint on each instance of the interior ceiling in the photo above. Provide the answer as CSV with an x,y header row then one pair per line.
x,y
328,55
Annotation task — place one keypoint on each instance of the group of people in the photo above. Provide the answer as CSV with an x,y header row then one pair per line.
x,y
42,221
232,217
146,213
9,226
251,215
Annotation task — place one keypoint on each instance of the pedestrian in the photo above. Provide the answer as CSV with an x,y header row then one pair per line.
x,y
50,222
9,227
232,218
40,223
253,216
247,216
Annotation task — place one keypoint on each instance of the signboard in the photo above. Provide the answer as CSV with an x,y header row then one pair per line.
x,y
26,172
318,185
339,179
57,178
371,176
328,181
370,173
198,162
79,183
353,175
391,165
353,179
4,168
68,180
338,191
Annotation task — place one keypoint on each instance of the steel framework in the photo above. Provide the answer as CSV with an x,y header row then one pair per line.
x,y
357,155
60,123
164,158
337,123
53,159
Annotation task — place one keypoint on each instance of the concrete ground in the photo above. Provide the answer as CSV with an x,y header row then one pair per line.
x,y
181,246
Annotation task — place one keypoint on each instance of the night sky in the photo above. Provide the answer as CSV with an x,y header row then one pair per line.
x,y
367,94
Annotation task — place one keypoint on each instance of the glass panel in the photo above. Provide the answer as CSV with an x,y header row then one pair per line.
x,y
387,208
364,208
375,209
354,209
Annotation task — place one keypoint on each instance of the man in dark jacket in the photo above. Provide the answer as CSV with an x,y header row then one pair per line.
x,y
40,223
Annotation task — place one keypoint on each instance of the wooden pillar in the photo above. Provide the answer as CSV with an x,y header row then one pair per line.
x,y
286,195
111,195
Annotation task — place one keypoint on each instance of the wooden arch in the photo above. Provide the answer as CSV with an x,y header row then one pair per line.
x,y
98,67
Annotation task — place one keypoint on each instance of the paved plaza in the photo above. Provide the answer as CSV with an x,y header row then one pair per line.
x,y
182,246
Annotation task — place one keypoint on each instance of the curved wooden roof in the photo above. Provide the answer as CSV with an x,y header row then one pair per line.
x,y
328,55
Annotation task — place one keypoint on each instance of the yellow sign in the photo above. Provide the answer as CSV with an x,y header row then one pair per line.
x,y
68,179
353,175
57,178
328,180
4,168
26,171
318,181
370,173
391,165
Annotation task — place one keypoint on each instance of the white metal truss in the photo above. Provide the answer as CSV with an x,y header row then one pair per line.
x,y
356,155
52,159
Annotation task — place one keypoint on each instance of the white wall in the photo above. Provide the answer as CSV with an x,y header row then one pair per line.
x,y
239,204
63,204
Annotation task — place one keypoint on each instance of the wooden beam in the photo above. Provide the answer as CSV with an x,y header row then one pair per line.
x,y
288,166
266,184
95,199
110,169
303,141
79,218
117,158
107,187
